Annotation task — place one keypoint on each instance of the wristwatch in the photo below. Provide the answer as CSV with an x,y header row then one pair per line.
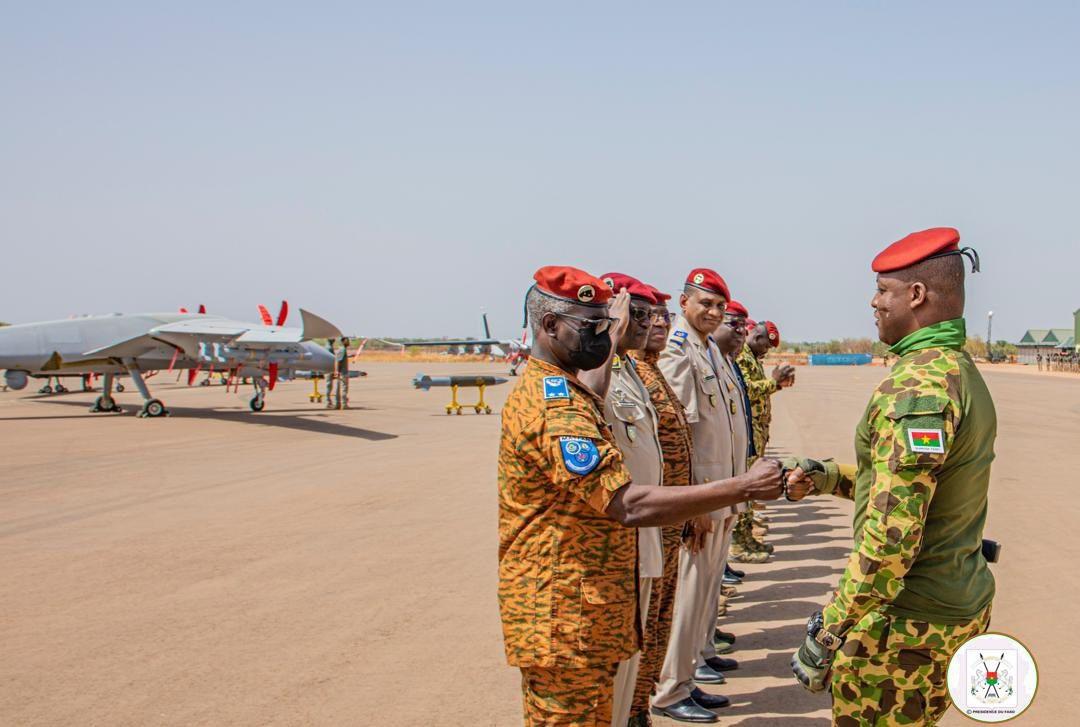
x,y
815,629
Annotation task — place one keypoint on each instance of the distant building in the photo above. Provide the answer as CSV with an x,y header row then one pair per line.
x,y
1047,341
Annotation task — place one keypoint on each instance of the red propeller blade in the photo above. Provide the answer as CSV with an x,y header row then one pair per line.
x,y
192,373
183,310
283,313
265,314
202,309
273,376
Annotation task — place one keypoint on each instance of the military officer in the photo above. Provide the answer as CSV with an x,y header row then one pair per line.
x,y
676,441
342,367
634,422
916,585
568,511
331,375
729,338
693,366
759,388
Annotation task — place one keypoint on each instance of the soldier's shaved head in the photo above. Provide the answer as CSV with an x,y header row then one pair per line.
x,y
920,295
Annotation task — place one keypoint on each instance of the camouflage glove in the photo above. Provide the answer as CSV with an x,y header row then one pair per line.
x,y
812,663
824,473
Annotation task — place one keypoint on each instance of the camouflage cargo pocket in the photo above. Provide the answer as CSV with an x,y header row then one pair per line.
x,y
608,605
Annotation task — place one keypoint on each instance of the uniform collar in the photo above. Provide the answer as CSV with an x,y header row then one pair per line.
x,y
944,334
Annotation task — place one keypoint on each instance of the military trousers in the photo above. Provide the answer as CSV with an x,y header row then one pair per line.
x,y
891,671
627,672
700,577
657,624
708,650
565,697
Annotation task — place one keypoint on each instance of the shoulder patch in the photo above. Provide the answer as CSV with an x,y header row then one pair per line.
x,y
930,441
679,334
579,454
616,363
555,387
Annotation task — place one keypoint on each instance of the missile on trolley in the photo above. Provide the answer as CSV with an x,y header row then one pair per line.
x,y
422,381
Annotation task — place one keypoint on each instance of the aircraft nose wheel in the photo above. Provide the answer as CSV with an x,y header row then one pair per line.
x,y
153,408
103,404
257,403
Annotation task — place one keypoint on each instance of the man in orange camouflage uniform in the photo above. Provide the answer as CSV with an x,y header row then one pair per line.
x,y
676,442
568,512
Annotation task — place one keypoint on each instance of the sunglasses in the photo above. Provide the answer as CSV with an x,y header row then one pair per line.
x,y
598,324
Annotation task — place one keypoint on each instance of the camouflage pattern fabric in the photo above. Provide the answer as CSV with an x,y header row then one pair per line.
x,y
760,389
676,440
924,449
567,571
891,671
657,625
568,697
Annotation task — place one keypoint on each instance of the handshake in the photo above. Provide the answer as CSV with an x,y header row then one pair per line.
x,y
768,479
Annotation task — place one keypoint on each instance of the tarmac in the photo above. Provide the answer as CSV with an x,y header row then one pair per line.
x,y
310,567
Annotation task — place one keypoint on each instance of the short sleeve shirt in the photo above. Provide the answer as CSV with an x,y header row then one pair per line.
x,y
567,580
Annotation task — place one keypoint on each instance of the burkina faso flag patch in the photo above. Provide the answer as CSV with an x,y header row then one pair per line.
x,y
929,441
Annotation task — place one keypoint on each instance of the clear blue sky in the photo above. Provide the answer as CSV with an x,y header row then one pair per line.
x,y
398,167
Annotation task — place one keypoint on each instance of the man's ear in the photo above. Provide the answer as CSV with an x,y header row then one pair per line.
x,y
916,294
683,300
548,323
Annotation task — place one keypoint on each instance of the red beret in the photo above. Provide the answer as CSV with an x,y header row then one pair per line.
x,y
659,295
915,248
563,281
774,333
636,288
709,281
735,308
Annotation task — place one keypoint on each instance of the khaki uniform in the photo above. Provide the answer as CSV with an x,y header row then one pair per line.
x,y
635,425
567,585
693,368
740,447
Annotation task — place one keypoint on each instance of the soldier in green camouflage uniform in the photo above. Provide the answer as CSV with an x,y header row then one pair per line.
x,y
759,388
916,585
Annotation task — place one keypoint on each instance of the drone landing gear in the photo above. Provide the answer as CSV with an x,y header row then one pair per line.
x,y
105,402
151,407
258,402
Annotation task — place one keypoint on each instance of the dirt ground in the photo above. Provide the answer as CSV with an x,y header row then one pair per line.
x,y
302,566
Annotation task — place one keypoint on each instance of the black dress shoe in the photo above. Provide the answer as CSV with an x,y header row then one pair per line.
x,y
709,701
686,711
705,674
719,663
724,636
734,571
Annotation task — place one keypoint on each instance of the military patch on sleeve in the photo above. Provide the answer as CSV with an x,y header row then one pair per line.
x,y
928,441
555,387
579,455
679,334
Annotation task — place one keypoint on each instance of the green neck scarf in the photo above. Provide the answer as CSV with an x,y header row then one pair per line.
x,y
946,334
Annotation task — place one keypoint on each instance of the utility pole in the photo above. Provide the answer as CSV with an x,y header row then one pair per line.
x,y
989,333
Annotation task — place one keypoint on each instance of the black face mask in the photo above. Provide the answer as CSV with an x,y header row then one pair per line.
x,y
592,349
